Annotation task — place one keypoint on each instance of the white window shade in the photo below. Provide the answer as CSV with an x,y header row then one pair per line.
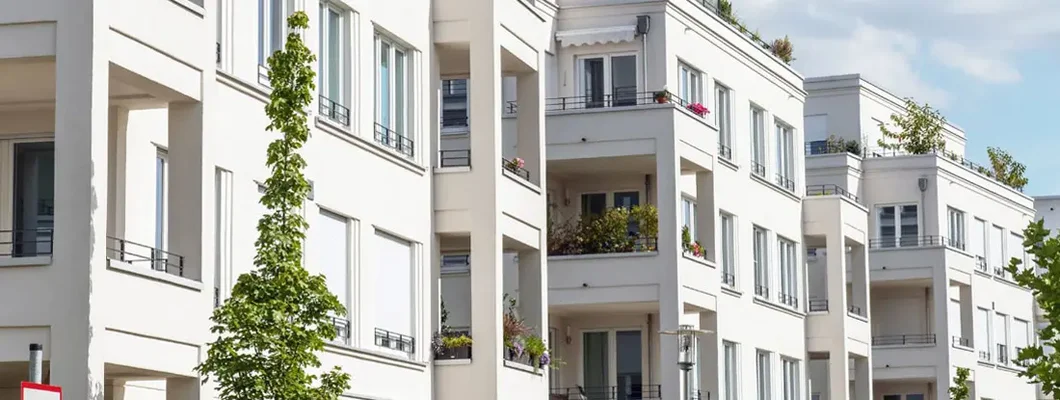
x,y
982,329
999,329
329,253
1020,333
1015,249
978,238
591,36
997,242
393,284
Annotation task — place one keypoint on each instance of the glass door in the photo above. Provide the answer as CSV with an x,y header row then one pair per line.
x,y
628,372
624,80
593,82
34,198
612,366
629,200
596,365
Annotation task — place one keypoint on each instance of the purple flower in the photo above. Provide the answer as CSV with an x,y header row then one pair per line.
x,y
545,359
519,349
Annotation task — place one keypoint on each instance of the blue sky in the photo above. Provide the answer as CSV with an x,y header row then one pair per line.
x,y
991,66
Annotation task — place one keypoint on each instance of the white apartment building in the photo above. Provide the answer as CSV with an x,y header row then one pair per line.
x,y
940,234
1046,209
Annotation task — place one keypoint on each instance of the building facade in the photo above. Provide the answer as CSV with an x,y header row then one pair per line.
x,y
941,231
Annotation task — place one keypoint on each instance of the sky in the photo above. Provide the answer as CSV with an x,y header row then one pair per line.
x,y
991,66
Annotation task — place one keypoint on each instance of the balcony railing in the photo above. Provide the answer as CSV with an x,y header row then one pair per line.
x,y
962,341
700,395
819,147
135,253
985,172
26,242
218,53
394,140
856,310
904,340
395,341
980,264
785,182
829,190
342,330
514,166
626,96
724,151
758,169
454,158
762,291
891,242
728,279
334,111
789,300
1002,353
818,305
955,243
633,392
984,355
1000,271
452,124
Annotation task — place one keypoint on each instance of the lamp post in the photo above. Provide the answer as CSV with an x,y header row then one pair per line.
x,y
687,352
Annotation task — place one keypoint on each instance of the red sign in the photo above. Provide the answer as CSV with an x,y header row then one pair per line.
x,y
36,391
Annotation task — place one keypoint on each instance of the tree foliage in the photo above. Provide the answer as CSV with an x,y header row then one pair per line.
x,y
279,316
1045,286
1006,169
918,131
959,390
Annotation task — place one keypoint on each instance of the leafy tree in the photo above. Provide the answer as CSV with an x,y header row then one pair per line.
x,y
919,130
959,390
1006,169
279,315
1045,286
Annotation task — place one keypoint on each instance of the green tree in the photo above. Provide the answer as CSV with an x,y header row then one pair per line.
x,y
1006,169
919,131
1045,286
959,390
279,316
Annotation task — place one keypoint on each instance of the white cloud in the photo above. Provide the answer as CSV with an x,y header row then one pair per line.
x,y
987,69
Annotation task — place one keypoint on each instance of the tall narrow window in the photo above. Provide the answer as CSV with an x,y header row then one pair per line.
x,y
688,215
728,250
1001,337
329,249
393,107
789,286
978,241
219,32
956,222
758,141
34,199
790,369
161,205
454,106
982,333
997,250
1021,335
331,61
723,112
1015,251
272,21
898,226
732,371
761,262
394,294
763,376
608,80
691,84
785,156
222,233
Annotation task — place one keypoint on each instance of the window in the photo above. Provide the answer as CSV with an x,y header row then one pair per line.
x,y
978,241
393,285
330,253
456,264
161,207
982,333
1021,335
393,82
220,31
608,80
728,250
916,396
892,397
761,263
1001,337
1015,250
790,369
454,106
785,156
898,225
272,19
331,60
222,233
34,198
723,112
997,250
628,200
762,368
594,203
758,141
732,371
956,238
789,286
611,359
691,84
688,215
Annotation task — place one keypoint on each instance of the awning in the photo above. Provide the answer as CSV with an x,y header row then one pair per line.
x,y
582,37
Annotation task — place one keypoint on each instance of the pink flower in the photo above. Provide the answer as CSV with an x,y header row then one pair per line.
x,y
699,109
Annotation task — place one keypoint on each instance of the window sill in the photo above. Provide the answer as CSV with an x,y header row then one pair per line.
x,y
151,274
1009,282
36,261
194,8
729,163
1009,368
372,147
698,260
463,361
963,348
604,256
522,367
730,290
376,356
762,301
324,121
771,185
455,134
858,317
521,181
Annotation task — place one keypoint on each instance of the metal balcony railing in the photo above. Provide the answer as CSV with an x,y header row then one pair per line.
x,y
789,300
728,279
980,264
454,158
890,242
819,147
632,392
1002,353
136,253
395,341
342,330
984,355
829,190
762,291
903,340
962,341
758,169
455,122
389,138
724,151
26,242
334,111
785,182
818,305
514,167
856,310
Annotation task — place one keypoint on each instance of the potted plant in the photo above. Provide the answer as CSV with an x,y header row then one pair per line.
x,y
698,109
537,351
662,96
515,164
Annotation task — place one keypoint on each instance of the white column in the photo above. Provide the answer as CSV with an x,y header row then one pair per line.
x,y
671,307
533,289
862,378
706,213
531,121
182,389
838,368
187,185
81,186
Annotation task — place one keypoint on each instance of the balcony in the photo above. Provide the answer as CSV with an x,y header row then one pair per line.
x,y
962,342
912,258
454,158
516,167
137,254
334,111
981,171
830,190
631,392
395,341
818,305
26,246
904,340
451,345
394,141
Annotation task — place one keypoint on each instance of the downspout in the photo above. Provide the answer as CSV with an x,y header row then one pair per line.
x,y
651,368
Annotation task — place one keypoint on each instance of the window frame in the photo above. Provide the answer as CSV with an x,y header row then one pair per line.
x,y
957,227
789,274
723,116
266,30
398,111
455,129
763,374
760,249
791,387
759,152
344,73
689,211
898,238
693,92
785,149
731,373
161,222
608,80
727,225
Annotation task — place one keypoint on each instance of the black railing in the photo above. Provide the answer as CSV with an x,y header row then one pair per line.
x,y
135,253
728,279
984,355
334,111
903,340
218,53
962,341
856,310
999,271
342,330
511,107
724,151
216,297
829,190
955,243
819,147
762,291
789,300
454,158
758,169
514,167
785,182
907,241
454,88
818,305
1002,353
26,242
455,122
980,264
957,158
454,353
626,96
632,392
395,341
394,140
701,395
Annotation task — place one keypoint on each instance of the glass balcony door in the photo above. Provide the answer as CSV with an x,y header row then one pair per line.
x,y
33,198
612,366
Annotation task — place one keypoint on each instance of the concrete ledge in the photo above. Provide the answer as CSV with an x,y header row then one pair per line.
x,y
522,367
36,261
149,273
603,255
373,356
521,181
464,361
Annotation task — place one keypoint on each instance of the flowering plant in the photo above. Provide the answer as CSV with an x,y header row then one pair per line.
x,y
661,96
515,164
690,246
699,109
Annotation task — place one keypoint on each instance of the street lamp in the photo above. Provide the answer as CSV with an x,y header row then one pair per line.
x,y
687,352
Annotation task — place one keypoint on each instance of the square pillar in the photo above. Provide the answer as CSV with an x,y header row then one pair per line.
x,y
533,291
862,378
189,232
706,213
671,307
710,356
859,267
839,376
530,119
